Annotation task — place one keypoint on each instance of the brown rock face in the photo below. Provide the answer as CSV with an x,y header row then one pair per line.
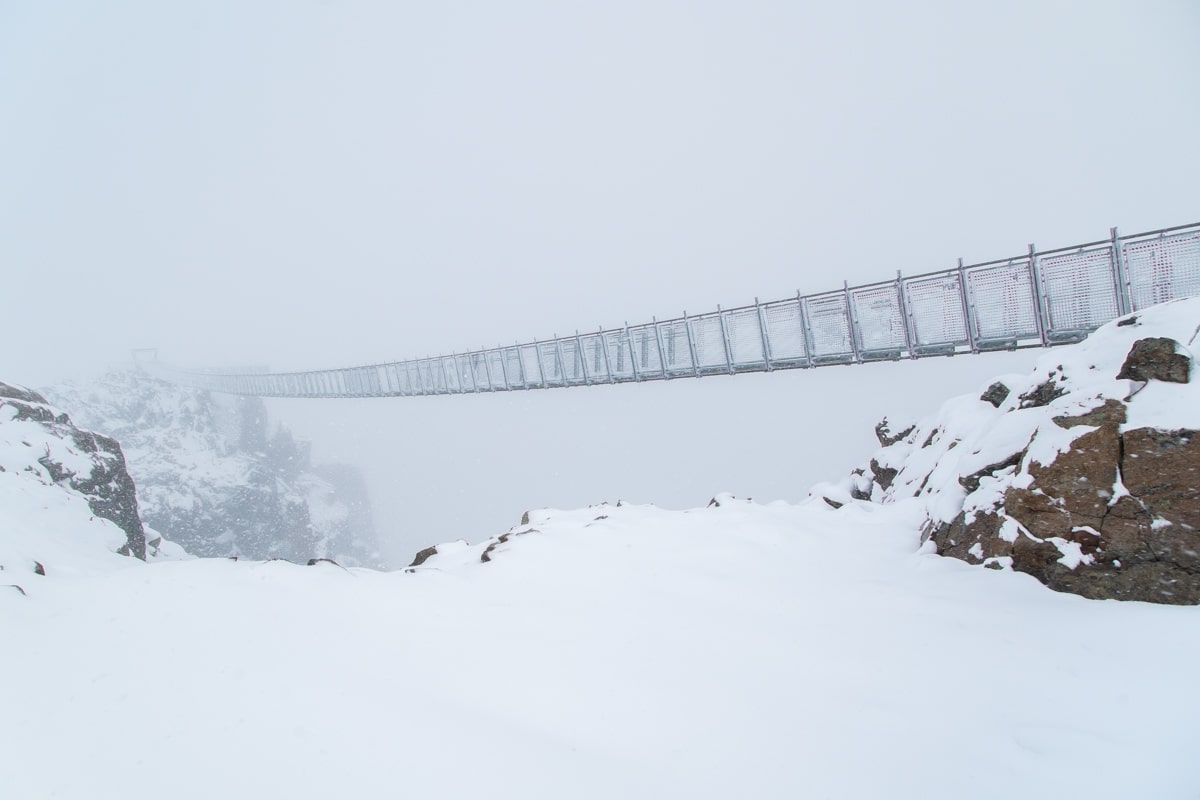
x,y
995,394
882,475
1074,537
888,437
108,487
1156,359
424,555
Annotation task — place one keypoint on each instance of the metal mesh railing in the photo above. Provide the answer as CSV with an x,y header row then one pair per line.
x,y
1035,299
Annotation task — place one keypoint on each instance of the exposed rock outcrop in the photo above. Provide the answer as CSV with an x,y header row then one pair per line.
x,y
1156,359
87,463
1085,474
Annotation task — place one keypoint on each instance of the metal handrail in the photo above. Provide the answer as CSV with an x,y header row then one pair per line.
x,y
1036,299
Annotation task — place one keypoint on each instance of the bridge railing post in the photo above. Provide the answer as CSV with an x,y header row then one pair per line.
x,y
852,323
725,339
541,362
662,353
968,308
504,368
603,341
766,339
1038,279
806,328
487,368
633,362
562,360
587,378
691,340
1121,275
906,317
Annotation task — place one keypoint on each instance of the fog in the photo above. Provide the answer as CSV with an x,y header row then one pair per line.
x,y
318,184
467,466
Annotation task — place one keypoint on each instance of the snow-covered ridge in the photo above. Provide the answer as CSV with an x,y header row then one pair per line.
x,y
1083,473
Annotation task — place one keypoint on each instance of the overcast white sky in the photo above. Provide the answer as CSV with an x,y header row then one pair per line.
x,y
314,184
323,184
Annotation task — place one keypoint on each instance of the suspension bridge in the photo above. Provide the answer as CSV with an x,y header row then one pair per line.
x,y
1036,299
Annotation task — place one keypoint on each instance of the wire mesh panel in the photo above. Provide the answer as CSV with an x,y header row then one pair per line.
x,y
880,323
414,377
552,371
473,381
710,343
1005,308
397,379
1164,268
572,361
745,337
677,351
829,324
515,369
620,361
480,379
645,351
495,366
936,313
594,358
458,376
785,331
530,366
426,377
1080,289
426,372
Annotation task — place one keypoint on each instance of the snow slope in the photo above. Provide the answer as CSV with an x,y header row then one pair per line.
x,y
735,651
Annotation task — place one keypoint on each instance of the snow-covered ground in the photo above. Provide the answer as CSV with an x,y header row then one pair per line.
x,y
734,651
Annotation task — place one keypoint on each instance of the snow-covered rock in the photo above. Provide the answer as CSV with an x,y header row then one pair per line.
x,y
66,498
215,478
1084,474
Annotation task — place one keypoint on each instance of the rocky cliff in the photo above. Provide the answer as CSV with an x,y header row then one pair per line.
x,y
1084,474
65,493
217,478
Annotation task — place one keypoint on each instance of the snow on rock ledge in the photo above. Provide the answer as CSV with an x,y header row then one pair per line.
x,y
65,494
1084,474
